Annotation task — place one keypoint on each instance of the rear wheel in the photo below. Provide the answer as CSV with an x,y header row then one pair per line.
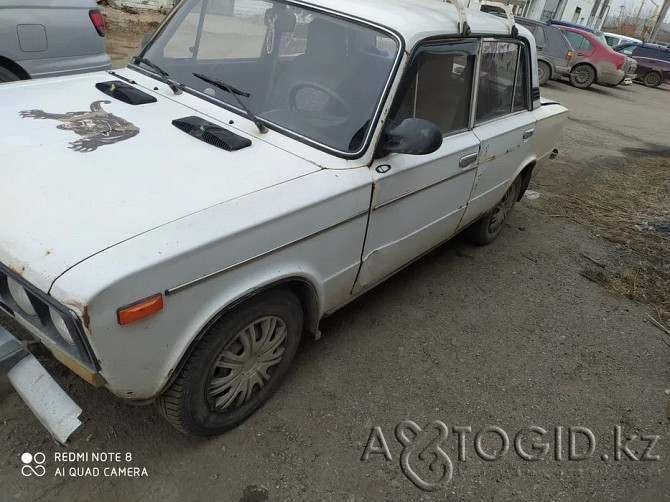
x,y
487,229
543,72
652,79
582,76
7,76
236,367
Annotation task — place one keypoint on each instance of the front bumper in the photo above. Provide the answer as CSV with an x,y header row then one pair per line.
x,y
46,399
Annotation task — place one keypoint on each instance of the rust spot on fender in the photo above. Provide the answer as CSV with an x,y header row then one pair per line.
x,y
47,253
86,319
82,311
17,270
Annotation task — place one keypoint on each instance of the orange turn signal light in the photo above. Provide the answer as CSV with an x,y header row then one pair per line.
x,y
138,310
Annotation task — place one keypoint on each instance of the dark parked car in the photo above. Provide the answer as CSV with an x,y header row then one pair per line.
x,y
554,52
653,62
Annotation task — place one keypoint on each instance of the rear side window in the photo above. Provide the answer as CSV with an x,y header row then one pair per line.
x,y
497,79
557,39
439,85
611,41
578,41
646,52
537,32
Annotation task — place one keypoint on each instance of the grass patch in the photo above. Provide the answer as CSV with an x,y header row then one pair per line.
x,y
630,207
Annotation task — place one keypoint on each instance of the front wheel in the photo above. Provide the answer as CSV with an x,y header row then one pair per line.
x,y
487,229
652,79
582,76
237,365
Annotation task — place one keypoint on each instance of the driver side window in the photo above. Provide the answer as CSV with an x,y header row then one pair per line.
x,y
438,86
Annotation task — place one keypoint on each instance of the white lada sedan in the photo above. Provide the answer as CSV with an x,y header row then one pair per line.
x,y
170,230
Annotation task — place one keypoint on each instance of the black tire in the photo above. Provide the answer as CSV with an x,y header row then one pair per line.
x,y
485,230
652,79
190,403
582,76
7,76
543,72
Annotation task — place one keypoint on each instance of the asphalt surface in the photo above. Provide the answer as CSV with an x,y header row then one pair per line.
x,y
508,336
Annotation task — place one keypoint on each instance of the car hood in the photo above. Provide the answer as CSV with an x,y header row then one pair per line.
x,y
75,183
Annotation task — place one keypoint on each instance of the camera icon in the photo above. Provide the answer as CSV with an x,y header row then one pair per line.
x,y
32,464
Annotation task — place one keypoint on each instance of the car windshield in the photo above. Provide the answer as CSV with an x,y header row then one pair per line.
x,y
305,72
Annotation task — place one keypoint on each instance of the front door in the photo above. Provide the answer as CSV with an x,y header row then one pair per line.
x,y
419,200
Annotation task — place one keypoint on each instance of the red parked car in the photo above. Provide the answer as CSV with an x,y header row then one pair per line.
x,y
594,61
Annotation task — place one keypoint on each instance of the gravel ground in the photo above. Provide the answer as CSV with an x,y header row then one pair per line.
x,y
509,335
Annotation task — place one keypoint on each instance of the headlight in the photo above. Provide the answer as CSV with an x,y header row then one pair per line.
x,y
20,296
60,325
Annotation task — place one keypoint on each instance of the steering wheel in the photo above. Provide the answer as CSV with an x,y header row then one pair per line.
x,y
343,105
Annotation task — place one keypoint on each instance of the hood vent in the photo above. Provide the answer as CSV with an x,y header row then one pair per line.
x,y
125,92
211,133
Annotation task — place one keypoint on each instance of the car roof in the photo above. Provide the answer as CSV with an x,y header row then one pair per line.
x,y
622,37
529,21
416,19
558,22
644,44
656,46
575,28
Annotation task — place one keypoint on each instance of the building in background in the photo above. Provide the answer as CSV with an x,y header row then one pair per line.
x,y
590,13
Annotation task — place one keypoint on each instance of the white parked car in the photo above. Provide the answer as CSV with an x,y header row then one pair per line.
x,y
614,39
172,229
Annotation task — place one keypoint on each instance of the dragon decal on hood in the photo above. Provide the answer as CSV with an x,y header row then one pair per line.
x,y
97,127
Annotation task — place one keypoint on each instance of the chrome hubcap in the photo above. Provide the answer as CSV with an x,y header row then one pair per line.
x,y
500,212
247,364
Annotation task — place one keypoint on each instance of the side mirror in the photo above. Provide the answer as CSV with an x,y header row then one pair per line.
x,y
146,37
411,136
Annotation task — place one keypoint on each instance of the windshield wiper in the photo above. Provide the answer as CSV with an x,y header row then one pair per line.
x,y
235,92
163,74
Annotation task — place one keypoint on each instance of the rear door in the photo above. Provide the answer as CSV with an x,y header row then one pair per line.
x,y
419,200
665,63
647,59
583,47
503,123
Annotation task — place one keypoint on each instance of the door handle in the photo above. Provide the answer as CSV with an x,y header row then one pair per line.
x,y
527,134
466,160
